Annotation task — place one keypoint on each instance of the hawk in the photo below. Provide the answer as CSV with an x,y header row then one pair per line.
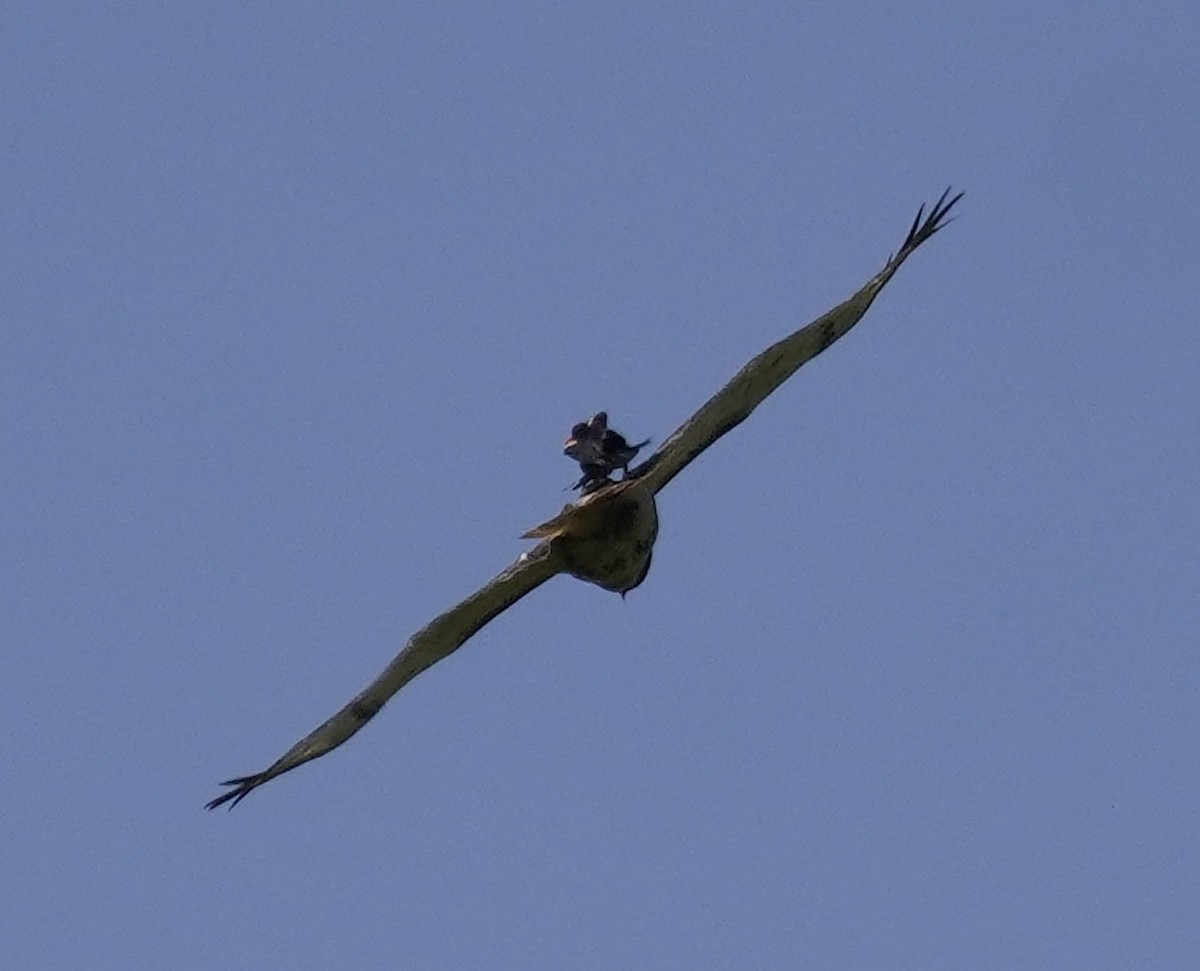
x,y
606,537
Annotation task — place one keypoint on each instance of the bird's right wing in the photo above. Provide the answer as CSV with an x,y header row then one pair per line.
x,y
436,640
733,404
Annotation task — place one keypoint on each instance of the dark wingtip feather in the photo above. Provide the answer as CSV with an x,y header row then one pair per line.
x,y
912,230
922,229
243,787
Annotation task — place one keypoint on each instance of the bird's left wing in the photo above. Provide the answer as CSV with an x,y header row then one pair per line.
x,y
732,405
437,639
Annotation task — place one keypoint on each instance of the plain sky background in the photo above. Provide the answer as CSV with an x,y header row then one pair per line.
x,y
298,303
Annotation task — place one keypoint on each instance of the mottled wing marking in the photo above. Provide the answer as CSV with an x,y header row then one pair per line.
x,y
733,404
436,640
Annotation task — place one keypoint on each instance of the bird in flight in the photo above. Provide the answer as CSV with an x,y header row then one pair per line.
x,y
599,450
607,536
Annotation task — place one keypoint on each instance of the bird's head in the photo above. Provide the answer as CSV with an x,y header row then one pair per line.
x,y
586,441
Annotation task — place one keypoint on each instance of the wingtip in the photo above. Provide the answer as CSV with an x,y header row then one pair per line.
x,y
938,213
924,226
241,789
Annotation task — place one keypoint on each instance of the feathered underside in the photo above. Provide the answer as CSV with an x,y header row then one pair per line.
x,y
607,537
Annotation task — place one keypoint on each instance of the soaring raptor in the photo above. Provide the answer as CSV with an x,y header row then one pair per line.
x,y
606,537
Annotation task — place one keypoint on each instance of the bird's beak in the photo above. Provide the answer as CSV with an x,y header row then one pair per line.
x,y
570,443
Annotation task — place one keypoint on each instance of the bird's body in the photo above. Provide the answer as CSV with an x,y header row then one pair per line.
x,y
599,450
607,536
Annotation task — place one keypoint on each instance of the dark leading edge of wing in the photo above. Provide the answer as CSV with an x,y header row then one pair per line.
x,y
733,404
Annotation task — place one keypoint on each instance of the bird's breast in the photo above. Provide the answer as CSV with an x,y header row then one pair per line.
x,y
608,536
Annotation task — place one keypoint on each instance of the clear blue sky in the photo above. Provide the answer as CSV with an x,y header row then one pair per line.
x,y
298,303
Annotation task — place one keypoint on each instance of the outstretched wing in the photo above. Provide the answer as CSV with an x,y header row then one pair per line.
x,y
732,405
724,411
437,639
